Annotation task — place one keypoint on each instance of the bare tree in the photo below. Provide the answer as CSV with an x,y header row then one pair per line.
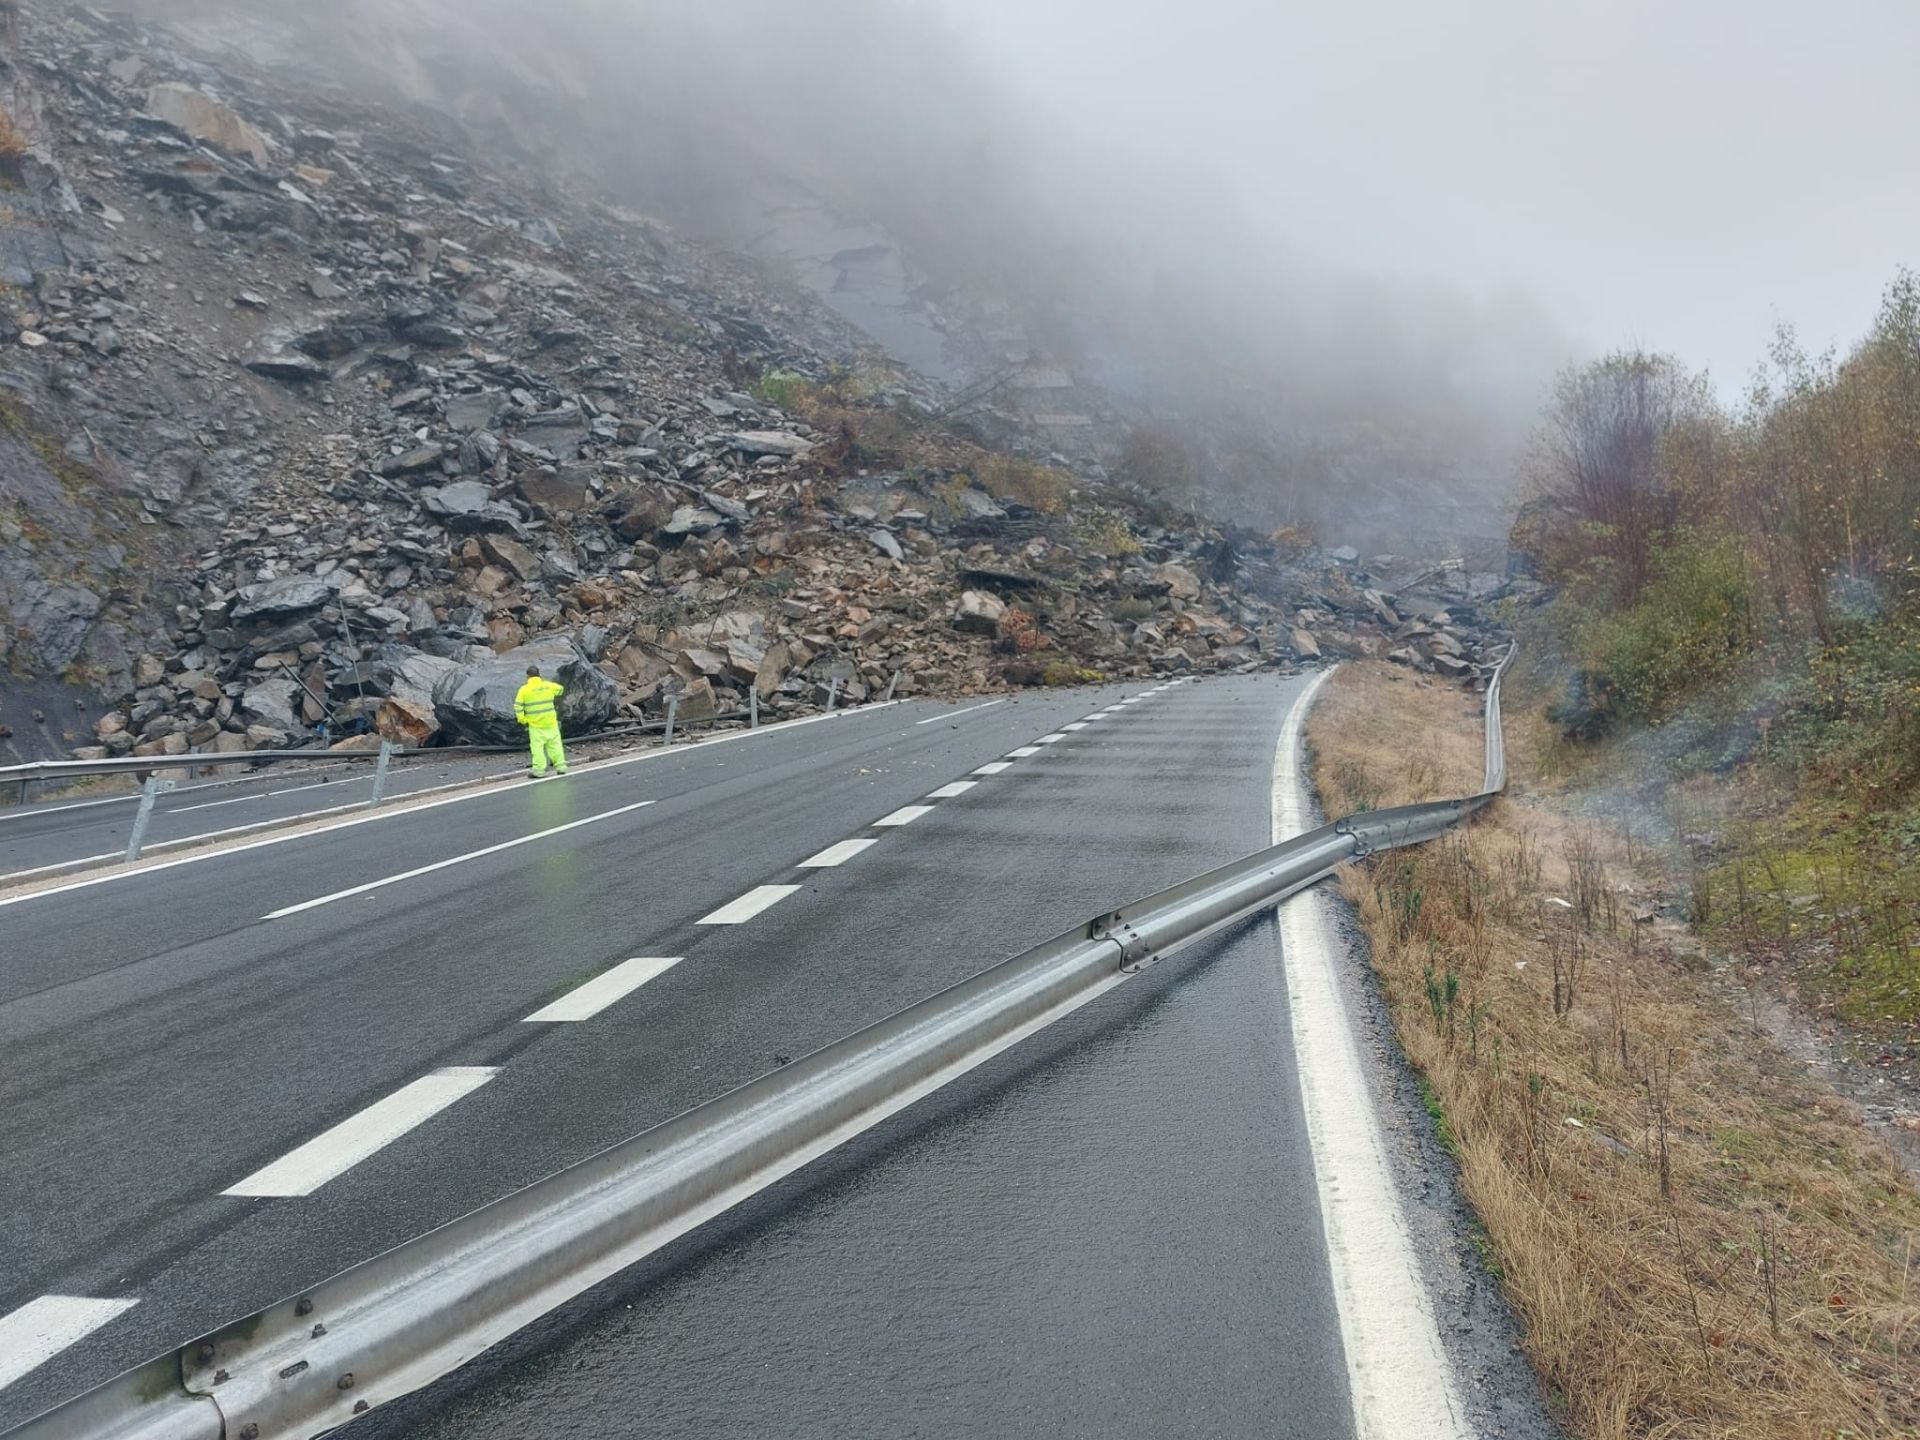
x,y
1602,465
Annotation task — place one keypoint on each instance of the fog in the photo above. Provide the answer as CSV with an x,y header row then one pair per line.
x,y
1681,176
1340,248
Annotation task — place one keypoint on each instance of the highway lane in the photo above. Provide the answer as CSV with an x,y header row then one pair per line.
x,y
144,1078
1111,1230
62,831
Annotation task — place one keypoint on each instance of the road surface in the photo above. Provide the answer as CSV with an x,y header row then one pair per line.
x,y
229,1078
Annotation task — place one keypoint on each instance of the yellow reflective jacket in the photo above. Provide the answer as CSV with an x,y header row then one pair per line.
x,y
536,705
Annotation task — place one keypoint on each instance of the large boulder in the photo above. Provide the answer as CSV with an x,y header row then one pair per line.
x,y
289,595
204,118
475,702
980,612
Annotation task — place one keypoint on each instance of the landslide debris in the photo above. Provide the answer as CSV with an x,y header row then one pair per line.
x,y
314,414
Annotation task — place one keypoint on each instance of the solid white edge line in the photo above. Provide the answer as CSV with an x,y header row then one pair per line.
x,y
42,1328
1402,1383
995,767
950,790
905,815
738,912
449,863
477,794
583,1002
364,1134
838,854
956,714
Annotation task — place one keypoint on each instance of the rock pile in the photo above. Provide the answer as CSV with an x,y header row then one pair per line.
x,y
379,414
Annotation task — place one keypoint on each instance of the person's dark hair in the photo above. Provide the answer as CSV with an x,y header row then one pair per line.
x,y
533,670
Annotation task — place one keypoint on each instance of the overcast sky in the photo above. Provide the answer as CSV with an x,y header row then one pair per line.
x,y
1676,173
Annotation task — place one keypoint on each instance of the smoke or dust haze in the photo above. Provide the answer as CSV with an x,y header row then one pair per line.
x,y
1377,226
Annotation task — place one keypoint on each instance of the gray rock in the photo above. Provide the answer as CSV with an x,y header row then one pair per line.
x,y
274,703
468,505
887,544
693,520
979,612
474,412
412,462
289,366
475,702
1305,646
289,595
783,443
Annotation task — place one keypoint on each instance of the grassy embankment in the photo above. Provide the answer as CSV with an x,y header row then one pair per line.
x,y
1700,1239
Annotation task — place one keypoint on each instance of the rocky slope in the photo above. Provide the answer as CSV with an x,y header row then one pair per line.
x,y
312,417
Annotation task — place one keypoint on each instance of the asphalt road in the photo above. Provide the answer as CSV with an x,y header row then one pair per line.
x,y
61,831
165,1043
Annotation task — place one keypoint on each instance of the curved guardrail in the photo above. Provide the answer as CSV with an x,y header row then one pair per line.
x,y
395,1323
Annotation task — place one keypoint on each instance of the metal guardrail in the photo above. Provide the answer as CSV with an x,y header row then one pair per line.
x,y
395,1323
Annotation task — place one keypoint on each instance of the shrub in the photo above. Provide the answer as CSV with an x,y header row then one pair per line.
x,y
1065,672
1104,533
1690,628
1038,487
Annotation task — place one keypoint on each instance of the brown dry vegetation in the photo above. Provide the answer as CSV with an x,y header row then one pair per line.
x,y
1700,1239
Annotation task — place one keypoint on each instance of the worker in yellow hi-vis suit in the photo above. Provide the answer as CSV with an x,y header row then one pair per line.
x,y
537,708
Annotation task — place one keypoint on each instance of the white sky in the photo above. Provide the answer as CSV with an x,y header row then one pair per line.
x,y
1674,173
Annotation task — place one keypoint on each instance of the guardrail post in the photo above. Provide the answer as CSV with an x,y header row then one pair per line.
x,y
673,705
753,707
893,684
833,694
380,772
149,792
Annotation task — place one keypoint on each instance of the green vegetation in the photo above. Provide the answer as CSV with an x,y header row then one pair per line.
x,y
1737,596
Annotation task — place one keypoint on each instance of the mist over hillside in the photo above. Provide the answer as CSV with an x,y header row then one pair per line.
x,y
871,150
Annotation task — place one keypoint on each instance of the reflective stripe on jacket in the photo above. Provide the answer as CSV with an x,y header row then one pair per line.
x,y
535,705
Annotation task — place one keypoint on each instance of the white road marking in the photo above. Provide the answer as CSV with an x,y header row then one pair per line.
x,y
905,815
588,1000
1076,725
1053,739
996,767
27,812
738,912
480,792
271,794
1133,700
42,1328
947,792
405,875
332,1153
838,854
955,714
1024,751
1402,1384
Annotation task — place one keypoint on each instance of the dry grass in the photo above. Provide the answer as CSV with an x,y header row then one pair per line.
x,y
1701,1240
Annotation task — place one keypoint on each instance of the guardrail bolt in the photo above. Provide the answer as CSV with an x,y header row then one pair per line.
x,y
303,1306
219,1377
205,1352
346,1381
318,1331
249,1431
360,1407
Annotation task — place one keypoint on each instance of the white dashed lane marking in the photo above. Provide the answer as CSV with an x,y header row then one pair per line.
x,y
588,1000
332,1153
956,714
1024,751
738,912
372,885
837,854
1053,739
1076,725
947,792
997,767
42,1328
905,815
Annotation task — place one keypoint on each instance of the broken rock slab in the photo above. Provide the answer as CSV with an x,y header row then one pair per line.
x,y
205,118
782,443
475,702
289,595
